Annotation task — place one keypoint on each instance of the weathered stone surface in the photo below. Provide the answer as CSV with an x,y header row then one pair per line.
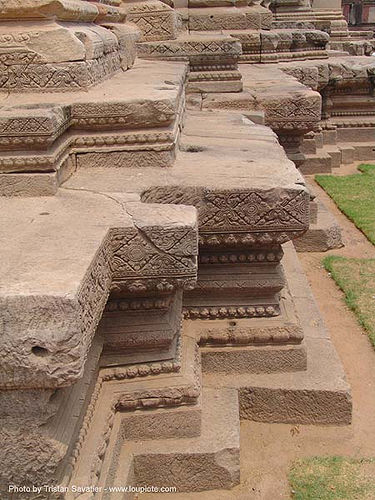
x,y
329,18
139,329
278,45
287,104
210,188
56,275
208,462
253,360
155,19
323,235
163,385
139,118
226,18
213,59
40,427
345,84
55,45
163,423
114,196
319,395
64,10
187,46
276,330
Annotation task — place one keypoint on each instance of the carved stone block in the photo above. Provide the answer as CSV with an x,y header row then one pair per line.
x,y
66,292
156,20
141,329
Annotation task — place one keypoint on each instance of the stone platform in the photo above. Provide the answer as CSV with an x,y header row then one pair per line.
x,y
123,238
66,271
147,303
274,364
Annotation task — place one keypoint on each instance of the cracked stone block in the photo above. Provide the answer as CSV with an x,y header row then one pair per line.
x,y
65,279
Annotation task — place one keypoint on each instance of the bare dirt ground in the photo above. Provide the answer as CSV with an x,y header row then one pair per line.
x,y
268,449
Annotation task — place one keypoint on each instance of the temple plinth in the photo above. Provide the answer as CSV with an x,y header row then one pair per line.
x,y
151,202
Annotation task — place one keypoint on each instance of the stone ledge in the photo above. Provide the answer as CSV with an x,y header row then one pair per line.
x,y
244,360
318,74
322,235
288,105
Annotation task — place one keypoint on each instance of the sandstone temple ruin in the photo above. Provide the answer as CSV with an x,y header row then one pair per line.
x,y
153,198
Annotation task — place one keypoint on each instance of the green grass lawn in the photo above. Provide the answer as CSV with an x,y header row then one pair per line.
x,y
356,278
355,197
332,478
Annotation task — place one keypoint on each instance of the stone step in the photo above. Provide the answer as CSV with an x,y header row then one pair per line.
x,y
362,150
250,359
347,153
264,86
335,154
208,461
319,395
309,146
323,235
356,130
139,402
329,136
318,163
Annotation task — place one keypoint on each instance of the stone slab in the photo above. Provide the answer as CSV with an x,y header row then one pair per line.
x,y
252,169
287,103
270,359
162,423
253,174
319,163
317,74
136,116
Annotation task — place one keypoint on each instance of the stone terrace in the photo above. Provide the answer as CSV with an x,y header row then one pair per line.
x,y
150,293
